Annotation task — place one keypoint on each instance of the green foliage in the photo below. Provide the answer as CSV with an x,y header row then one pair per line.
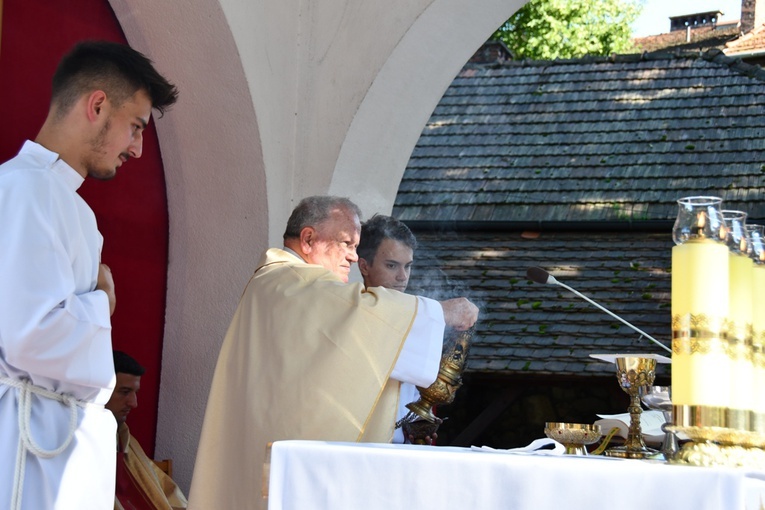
x,y
550,29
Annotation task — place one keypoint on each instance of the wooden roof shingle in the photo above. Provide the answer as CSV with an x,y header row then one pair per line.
x,y
592,139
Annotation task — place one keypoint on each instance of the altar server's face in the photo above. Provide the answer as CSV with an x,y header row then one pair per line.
x,y
390,267
333,243
120,136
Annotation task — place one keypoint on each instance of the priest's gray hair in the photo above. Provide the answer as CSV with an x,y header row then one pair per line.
x,y
312,211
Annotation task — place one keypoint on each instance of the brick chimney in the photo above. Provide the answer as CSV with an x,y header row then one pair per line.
x,y
752,15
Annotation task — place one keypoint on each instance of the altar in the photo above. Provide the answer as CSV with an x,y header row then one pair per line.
x,y
318,475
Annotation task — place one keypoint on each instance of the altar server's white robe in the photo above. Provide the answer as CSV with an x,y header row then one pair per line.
x,y
55,332
307,357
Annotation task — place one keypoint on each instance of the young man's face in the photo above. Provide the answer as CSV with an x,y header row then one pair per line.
x,y
120,137
391,266
124,398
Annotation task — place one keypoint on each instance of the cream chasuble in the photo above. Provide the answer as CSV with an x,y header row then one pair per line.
x,y
306,357
153,484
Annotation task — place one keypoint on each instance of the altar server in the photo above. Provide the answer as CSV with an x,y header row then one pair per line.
x,y
56,297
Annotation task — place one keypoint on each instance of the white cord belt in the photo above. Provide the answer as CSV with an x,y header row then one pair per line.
x,y
26,442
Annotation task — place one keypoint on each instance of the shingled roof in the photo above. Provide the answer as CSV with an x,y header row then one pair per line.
x,y
593,139
576,166
697,39
749,44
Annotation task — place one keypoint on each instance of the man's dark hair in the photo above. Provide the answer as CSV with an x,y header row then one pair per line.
x,y
125,364
117,69
380,227
312,211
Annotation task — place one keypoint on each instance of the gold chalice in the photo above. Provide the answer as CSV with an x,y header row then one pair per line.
x,y
574,436
634,373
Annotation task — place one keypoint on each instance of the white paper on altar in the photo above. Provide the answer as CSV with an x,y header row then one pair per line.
x,y
317,475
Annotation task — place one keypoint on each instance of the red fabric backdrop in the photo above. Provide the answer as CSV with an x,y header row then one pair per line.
x,y
131,209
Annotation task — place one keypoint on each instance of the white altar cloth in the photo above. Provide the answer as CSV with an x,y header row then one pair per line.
x,y
318,475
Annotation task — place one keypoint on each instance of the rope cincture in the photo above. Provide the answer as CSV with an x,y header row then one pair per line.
x,y
26,442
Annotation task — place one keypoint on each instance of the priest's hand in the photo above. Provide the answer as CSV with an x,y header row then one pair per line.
x,y
106,284
459,313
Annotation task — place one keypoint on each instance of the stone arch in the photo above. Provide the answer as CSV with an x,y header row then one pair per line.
x,y
397,106
217,200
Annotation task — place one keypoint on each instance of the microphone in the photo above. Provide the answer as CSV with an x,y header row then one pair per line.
x,y
539,275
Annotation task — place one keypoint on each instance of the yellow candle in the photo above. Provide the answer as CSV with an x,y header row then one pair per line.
x,y
758,336
740,271
701,367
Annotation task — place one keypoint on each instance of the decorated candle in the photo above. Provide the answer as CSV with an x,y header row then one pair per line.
x,y
740,271
739,326
758,337
758,320
701,366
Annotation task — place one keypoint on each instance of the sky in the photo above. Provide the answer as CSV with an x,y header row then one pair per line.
x,y
656,13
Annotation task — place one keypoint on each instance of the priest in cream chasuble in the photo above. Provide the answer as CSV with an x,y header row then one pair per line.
x,y
310,356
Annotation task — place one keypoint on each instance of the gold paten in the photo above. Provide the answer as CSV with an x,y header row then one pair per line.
x,y
574,436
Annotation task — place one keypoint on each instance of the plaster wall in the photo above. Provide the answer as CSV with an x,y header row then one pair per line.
x,y
215,179
280,99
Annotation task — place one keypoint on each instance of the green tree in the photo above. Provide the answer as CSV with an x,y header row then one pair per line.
x,y
549,29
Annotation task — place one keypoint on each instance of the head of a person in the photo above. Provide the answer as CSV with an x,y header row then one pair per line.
x,y
386,253
118,87
325,230
124,397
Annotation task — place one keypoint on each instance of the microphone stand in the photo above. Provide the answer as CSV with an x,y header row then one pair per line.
x,y
535,276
